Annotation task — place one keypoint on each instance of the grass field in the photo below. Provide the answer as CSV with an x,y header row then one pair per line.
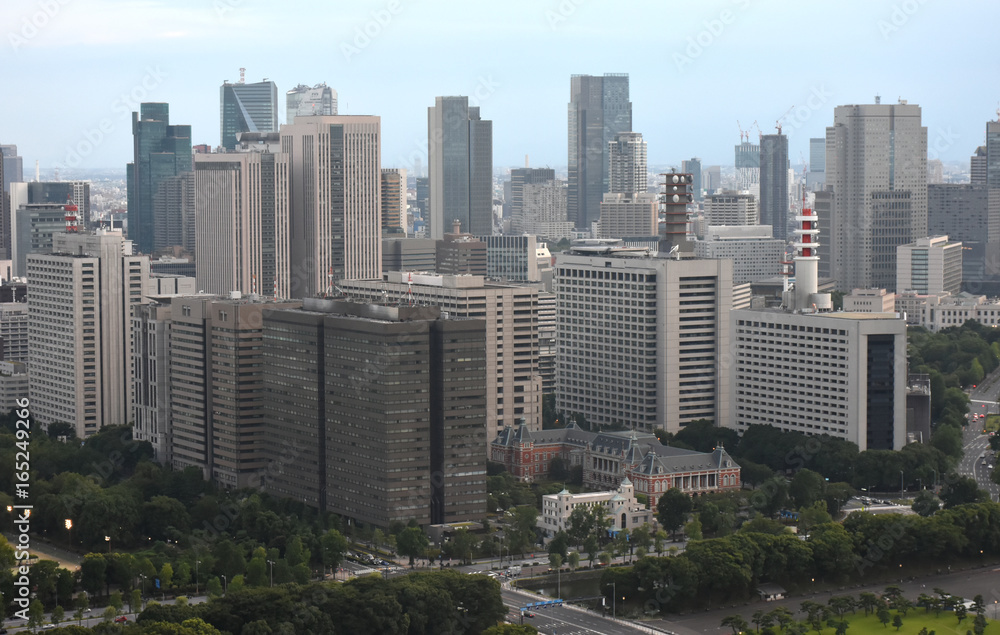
x,y
945,624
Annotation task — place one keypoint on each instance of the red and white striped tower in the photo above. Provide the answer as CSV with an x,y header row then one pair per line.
x,y
72,220
807,261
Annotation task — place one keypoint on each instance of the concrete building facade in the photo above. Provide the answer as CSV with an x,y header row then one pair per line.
x,y
625,215
640,337
929,265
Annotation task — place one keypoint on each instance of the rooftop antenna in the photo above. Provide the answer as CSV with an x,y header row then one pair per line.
x,y
675,251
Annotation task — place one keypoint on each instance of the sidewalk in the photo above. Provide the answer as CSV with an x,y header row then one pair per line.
x,y
46,551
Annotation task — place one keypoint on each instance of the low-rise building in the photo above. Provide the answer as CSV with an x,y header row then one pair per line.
x,y
870,301
621,505
608,458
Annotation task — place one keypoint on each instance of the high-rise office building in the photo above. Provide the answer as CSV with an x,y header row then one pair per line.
x,y
816,176
543,211
629,215
160,151
31,228
151,410
60,193
774,183
931,265
693,167
519,177
242,223
993,154
747,166
460,167
336,200
246,108
599,109
174,212
513,383
305,101
376,413
755,254
34,227
80,343
729,207
394,200
712,178
970,214
641,338
627,164
876,167
13,166
977,166
14,331
408,254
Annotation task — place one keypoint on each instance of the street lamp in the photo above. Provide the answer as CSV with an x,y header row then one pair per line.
x,y
69,533
271,562
196,563
225,584
108,540
901,483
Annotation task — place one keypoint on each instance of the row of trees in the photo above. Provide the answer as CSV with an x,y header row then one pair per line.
x,y
863,546
816,616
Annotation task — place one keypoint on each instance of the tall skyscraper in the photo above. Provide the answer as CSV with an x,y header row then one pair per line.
x,y
160,151
80,311
460,167
394,200
247,108
748,166
242,225
13,166
519,177
174,212
627,164
336,199
599,109
693,167
977,166
376,412
305,101
774,183
652,364
876,167
712,178
816,176
993,154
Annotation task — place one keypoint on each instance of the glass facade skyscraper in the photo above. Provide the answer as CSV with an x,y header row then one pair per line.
x,y
160,151
774,183
599,109
460,159
247,108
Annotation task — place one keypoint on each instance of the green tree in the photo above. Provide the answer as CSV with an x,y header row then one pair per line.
x,y
333,546
693,530
237,584
868,601
81,603
806,488
166,575
672,509
926,503
58,614
115,600
735,622
135,601
412,542
884,616
961,491
214,587
573,560
109,614
93,570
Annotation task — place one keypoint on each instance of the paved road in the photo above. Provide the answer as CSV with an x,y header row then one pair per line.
x,y
978,456
566,620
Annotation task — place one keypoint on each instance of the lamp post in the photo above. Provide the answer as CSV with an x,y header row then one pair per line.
x,y
935,478
225,584
69,533
614,600
901,483
142,588
196,563
108,540
271,562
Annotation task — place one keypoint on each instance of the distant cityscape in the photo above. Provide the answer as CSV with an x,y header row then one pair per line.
x,y
286,311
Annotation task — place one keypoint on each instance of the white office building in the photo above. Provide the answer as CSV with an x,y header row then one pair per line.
x,y
755,254
641,337
929,266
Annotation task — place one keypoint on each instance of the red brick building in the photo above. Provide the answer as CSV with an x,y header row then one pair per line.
x,y
609,457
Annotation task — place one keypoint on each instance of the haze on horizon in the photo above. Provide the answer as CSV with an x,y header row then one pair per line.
x,y
76,70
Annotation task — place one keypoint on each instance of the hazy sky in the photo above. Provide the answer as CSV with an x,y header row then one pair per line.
x,y
73,70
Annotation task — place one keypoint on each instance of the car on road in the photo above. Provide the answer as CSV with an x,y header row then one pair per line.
x,y
121,619
528,614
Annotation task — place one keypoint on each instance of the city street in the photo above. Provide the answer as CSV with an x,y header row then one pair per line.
x,y
566,620
978,459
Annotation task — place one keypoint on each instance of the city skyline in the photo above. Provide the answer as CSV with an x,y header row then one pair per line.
x,y
119,54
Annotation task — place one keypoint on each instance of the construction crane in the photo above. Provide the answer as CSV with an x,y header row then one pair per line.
x,y
746,135
777,124
759,133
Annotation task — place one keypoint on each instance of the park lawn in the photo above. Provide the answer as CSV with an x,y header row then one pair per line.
x,y
945,624
992,423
